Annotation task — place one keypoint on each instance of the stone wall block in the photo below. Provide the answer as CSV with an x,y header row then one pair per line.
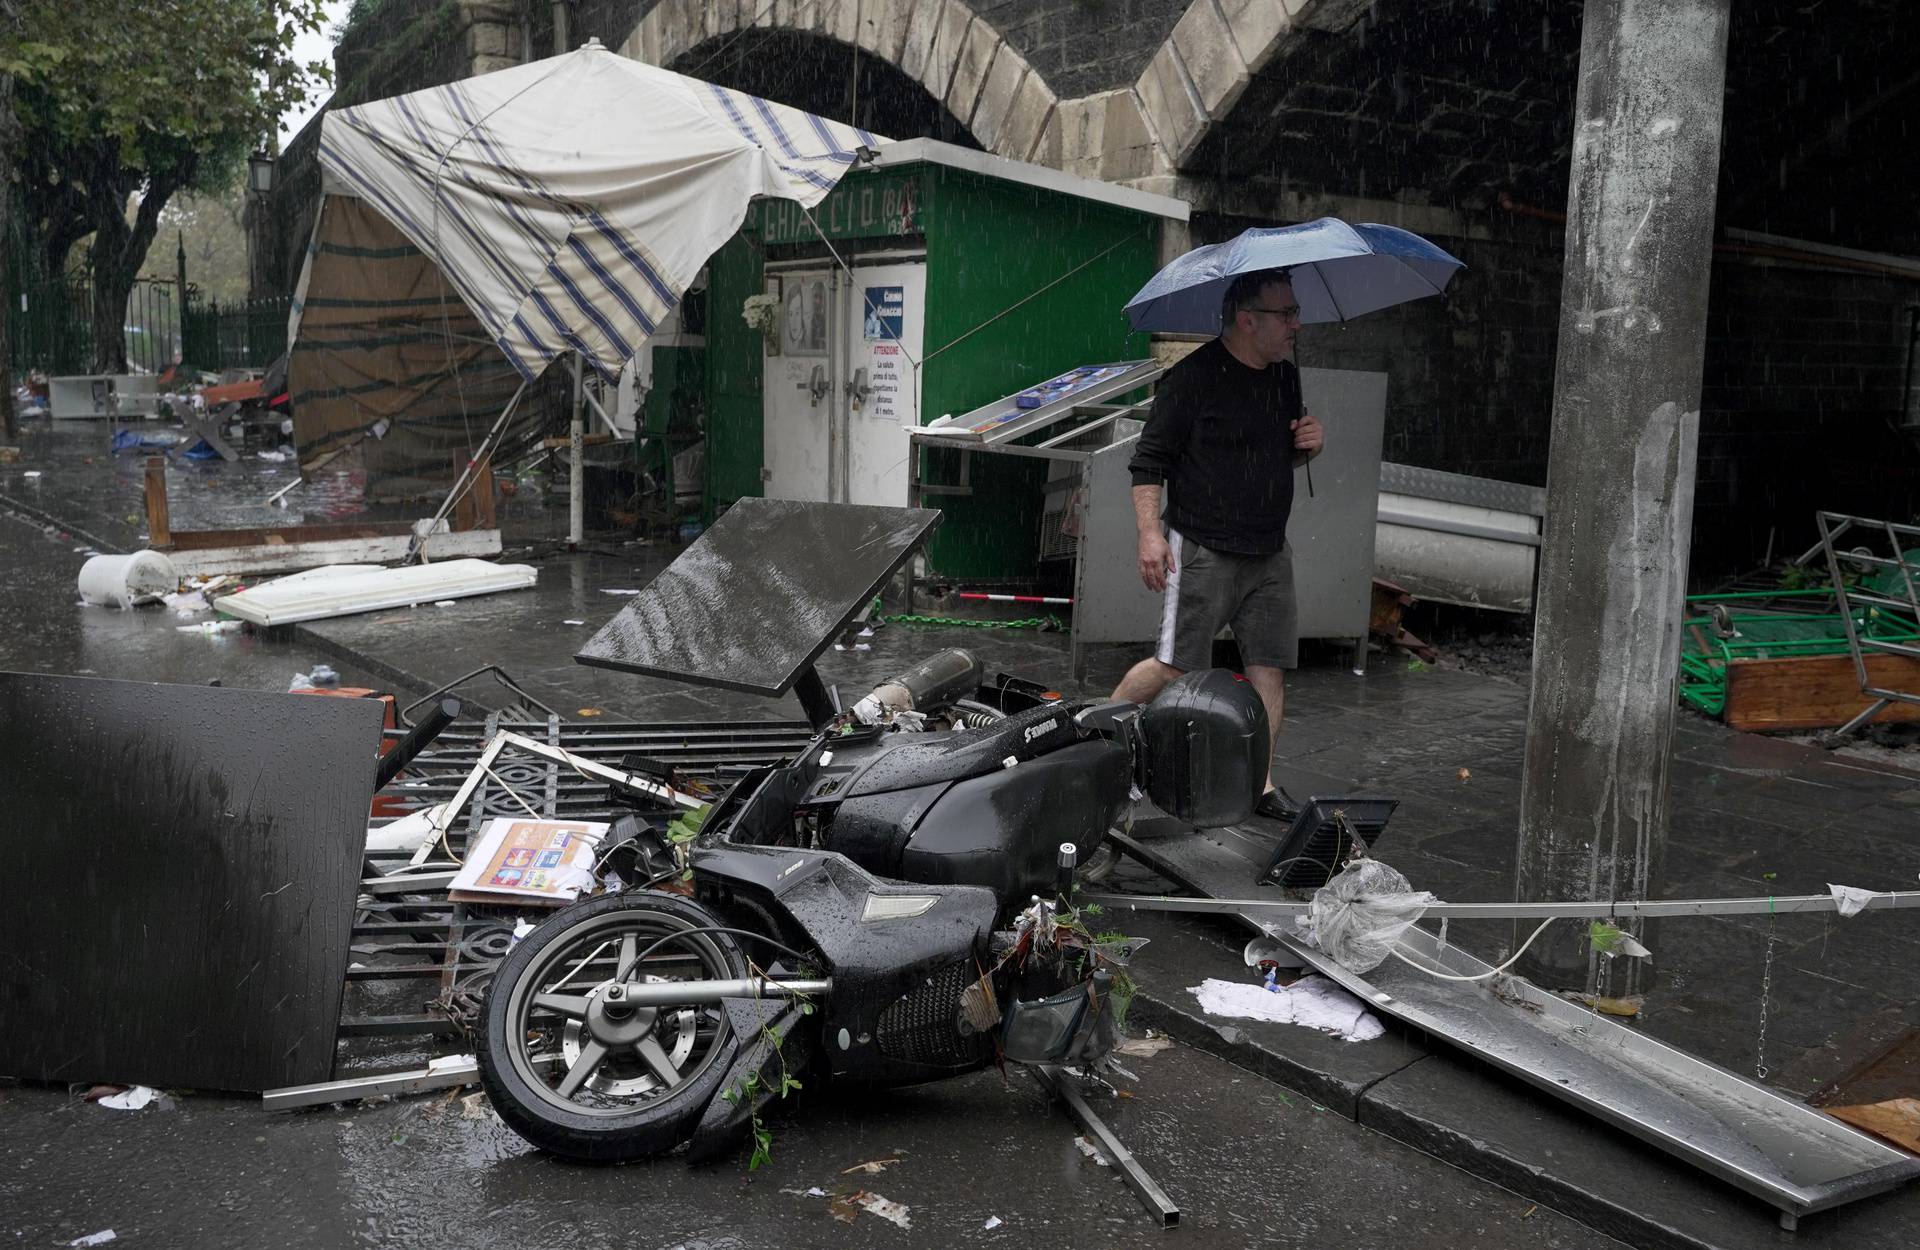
x,y
1033,104
487,39
1048,150
841,20
1169,105
1332,16
1075,135
1126,147
949,41
996,98
970,72
644,43
1213,63
1257,27
918,39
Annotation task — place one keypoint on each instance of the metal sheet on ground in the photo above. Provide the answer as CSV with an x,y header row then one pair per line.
x,y
185,861
756,599
1780,1150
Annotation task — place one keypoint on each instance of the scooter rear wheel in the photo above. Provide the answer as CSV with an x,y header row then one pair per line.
x,y
577,1074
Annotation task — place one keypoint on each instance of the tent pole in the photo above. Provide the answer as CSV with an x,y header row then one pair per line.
x,y
576,472
416,548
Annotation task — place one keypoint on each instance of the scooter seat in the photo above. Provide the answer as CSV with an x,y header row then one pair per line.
x,y
935,758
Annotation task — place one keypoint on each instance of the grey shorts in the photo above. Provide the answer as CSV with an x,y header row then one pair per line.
x,y
1208,589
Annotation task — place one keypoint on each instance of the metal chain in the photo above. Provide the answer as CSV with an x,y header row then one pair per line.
x,y
1766,992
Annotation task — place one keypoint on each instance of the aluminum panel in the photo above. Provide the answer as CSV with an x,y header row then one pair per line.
x,y
756,599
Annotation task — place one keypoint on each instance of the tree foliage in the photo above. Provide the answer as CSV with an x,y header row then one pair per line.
x,y
120,101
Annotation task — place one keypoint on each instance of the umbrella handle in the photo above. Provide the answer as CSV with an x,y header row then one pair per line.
x,y
1309,477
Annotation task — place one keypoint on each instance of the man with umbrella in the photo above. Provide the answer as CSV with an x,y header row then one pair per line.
x,y
1226,431
1228,426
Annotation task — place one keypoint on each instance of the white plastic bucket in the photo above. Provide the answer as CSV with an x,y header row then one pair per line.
x,y
122,581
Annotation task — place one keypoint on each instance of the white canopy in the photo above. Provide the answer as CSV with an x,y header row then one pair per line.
x,y
569,202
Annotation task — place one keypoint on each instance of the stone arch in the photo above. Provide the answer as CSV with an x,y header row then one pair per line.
x,y
1216,48
954,54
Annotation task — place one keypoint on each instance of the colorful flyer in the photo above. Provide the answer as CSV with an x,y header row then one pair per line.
x,y
532,861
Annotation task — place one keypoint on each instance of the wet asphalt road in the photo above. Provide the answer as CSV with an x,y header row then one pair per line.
x,y
48,630
1249,1163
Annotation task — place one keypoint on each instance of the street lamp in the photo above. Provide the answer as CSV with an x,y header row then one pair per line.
x,y
259,187
260,173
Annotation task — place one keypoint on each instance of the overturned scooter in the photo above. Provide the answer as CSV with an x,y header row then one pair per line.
x,y
878,910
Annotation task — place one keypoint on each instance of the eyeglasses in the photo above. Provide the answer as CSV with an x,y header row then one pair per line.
x,y
1291,312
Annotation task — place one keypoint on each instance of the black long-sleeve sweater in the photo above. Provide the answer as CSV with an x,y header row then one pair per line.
x,y
1220,439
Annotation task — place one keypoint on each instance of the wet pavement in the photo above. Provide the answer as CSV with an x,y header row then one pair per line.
x,y
1248,1163
1751,816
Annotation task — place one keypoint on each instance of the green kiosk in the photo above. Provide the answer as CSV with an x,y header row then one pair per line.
x,y
933,279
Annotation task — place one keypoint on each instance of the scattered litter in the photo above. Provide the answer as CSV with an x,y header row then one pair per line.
x,y
1627,1007
31,473
475,1107
321,678
1312,1001
573,622
871,1167
812,1192
1092,1151
1528,1213
1358,917
874,1204
274,457
1897,1120
409,833
1143,1047
123,581
1849,900
1464,775
100,1238
187,604
444,603
993,1222
133,1099
450,1061
520,929
605,591
210,627
590,711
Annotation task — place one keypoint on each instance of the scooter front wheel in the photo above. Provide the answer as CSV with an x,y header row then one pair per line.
x,y
578,1072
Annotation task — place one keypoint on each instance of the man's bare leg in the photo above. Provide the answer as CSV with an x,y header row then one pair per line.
x,y
1270,683
1145,680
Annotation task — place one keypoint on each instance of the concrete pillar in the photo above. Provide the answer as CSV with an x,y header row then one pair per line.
x,y
1626,401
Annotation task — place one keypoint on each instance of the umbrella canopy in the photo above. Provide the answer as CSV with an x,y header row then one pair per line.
x,y
1339,272
569,202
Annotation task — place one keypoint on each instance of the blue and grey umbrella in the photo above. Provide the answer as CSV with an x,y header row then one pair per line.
x,y
1339,272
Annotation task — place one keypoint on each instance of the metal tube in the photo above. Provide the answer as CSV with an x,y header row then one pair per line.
x,y
1763,905
1151,1196
682,993
576,461
446,1076
421,736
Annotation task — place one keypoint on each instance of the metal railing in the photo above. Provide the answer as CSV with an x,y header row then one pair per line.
x,y
240,334
52,327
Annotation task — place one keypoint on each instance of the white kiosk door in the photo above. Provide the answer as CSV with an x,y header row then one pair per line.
x,y
886,304
800,394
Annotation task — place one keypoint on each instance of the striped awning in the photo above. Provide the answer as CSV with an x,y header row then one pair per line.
x,y
569,202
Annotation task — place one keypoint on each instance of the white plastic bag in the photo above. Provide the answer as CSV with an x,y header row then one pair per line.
x,y
1357,918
